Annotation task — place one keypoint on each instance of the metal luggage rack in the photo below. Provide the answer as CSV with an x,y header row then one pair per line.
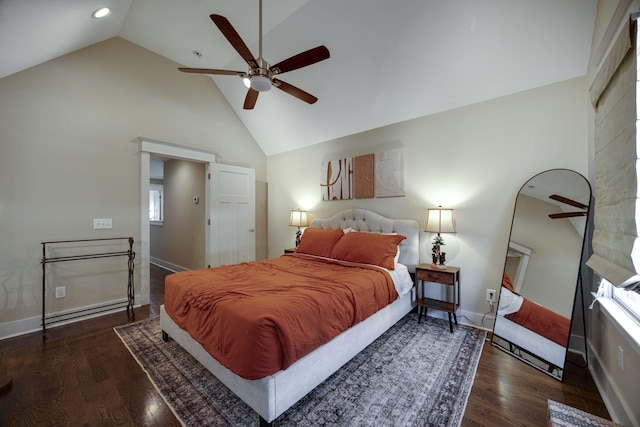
x,y
74,314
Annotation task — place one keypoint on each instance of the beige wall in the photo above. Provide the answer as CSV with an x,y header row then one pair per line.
x,y
69,132
472,159
180,240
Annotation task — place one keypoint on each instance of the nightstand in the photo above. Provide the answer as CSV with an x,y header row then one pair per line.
x,y
428,275
289,250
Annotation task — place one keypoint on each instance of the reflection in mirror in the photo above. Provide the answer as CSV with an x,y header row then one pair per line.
x,y
544,255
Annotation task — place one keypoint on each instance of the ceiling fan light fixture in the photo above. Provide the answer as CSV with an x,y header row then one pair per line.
x,y
246,81
100,13
260,83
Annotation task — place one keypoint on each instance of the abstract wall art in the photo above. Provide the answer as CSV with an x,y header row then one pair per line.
x,y
363,177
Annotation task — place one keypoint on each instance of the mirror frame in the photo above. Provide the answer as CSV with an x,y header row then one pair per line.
x,y
521,342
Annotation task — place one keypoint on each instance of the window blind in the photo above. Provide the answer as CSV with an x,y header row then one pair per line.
x,y
615,237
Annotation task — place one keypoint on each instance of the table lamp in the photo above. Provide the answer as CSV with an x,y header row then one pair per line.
x,y
439,221
298,219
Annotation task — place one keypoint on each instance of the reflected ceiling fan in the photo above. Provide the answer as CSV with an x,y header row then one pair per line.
x,y
570,202
261,75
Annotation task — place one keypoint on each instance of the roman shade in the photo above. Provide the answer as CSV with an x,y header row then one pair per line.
x,y
617,53
615,236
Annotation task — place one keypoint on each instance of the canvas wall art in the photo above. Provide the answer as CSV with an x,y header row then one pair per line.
x,y
364,177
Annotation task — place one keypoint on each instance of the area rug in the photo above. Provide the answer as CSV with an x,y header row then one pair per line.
x,y
561,415
416,374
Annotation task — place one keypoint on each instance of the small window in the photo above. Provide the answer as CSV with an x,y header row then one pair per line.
x,y
629,299
156,204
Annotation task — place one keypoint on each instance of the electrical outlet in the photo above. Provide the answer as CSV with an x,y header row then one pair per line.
x,y
621,358
61,291
491,296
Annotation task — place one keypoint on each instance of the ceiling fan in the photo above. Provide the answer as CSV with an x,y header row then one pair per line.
x,y
261,75
570,202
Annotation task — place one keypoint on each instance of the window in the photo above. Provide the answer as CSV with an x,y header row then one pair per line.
x,y
629,299
616,237
156,204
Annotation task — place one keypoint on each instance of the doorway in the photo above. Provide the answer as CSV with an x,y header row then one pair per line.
x,y
177,214
149,147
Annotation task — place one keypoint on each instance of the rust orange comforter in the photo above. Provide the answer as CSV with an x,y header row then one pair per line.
x,y
542,321
260,317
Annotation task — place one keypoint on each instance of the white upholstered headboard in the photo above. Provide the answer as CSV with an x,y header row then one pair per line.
x,y
365,220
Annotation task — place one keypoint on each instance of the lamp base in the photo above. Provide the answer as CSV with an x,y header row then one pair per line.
x,y
439,266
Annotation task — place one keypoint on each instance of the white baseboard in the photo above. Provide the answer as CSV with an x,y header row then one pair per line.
x,y
34,324
482,321
167,265
608,390
577,344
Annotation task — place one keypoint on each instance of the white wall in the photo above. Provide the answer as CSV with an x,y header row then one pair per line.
x,y
69,132
472,159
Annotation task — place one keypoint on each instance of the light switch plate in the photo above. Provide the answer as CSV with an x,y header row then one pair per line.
x,y
102,223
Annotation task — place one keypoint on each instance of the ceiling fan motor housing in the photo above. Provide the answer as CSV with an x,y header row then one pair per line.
x,y
260,83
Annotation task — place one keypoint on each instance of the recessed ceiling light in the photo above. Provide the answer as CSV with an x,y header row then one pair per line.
x,y
100,13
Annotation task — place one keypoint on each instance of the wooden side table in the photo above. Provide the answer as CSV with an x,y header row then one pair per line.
x,y
426,274
289,250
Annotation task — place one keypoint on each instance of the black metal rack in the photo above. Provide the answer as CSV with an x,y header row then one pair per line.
x,y
48,320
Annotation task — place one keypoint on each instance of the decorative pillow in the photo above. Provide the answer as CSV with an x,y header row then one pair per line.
x,y
368,248
319,242
397,257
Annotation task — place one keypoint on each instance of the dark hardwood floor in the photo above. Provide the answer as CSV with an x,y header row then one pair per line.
x,y
82,374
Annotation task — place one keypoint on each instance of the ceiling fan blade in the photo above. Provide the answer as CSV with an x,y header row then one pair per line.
x,y
234,38
570,202
566,215
300,60
211,71
250,99
294,91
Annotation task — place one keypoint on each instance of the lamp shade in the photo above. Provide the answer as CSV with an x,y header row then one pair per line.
x,y
440,221
299,218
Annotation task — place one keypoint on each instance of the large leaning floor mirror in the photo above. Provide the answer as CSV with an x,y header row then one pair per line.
x,y
542,268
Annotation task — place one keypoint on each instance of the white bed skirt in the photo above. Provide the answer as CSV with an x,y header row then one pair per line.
x,y
274,394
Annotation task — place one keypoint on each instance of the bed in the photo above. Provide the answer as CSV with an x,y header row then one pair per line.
x,y
531,327
270,392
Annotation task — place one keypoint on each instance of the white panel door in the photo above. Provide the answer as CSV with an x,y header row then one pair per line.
x,y
233,207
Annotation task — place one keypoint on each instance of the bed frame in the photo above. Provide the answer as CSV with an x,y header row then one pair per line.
x,y
272,395
531,348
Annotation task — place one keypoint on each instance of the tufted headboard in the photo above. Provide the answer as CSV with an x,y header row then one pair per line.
x,y
365,220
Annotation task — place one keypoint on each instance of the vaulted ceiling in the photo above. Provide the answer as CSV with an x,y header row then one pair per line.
x,y
390,60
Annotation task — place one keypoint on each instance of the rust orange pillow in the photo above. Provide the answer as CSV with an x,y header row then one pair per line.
x,y
368,248
319,242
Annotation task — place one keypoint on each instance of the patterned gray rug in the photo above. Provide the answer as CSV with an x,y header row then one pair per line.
x,y
413,375
561,415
